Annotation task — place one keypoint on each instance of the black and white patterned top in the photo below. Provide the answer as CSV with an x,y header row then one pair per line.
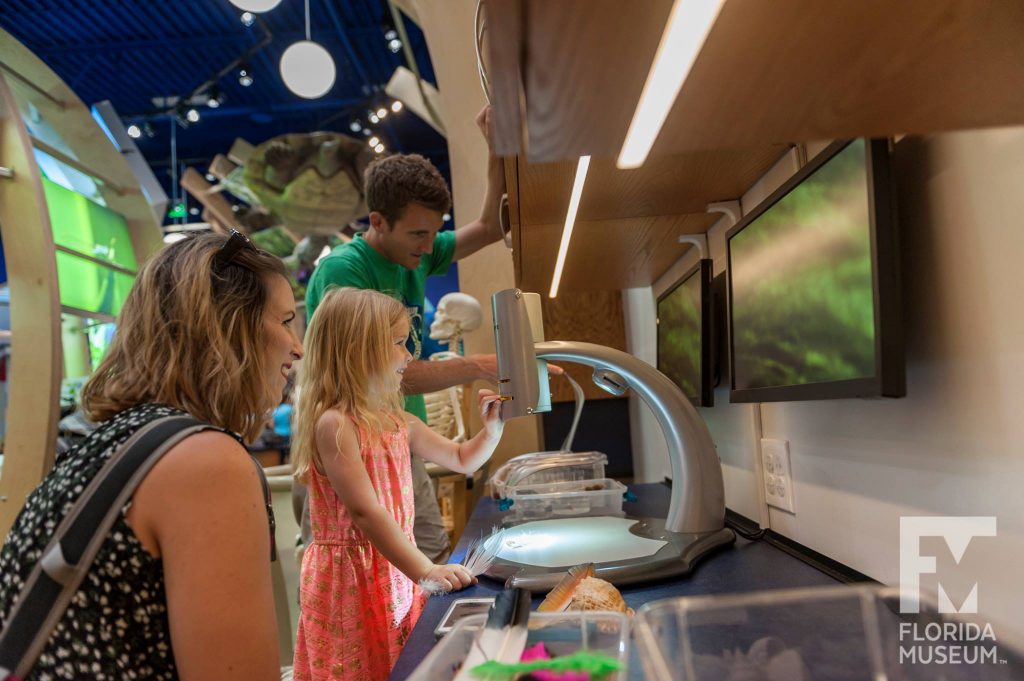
x,y
116,625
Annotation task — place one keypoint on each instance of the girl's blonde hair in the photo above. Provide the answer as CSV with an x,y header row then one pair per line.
x,y
348,367
190,335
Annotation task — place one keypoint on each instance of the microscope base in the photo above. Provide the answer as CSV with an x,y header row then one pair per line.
x,y
677,557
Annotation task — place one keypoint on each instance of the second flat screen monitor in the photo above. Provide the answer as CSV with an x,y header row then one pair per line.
x,y
685,335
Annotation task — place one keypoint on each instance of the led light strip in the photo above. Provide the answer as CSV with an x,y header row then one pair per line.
x,y
687,28
570,222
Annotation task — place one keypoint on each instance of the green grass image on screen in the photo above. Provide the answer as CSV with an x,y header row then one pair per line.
x,y
802,297
87,228
679,336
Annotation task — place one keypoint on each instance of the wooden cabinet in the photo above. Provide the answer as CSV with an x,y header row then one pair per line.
x,y
567,75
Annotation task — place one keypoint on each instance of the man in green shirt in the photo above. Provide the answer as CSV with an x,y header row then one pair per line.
x,y
407,198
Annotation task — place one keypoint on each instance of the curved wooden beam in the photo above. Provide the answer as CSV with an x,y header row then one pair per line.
x,y
29,90
35,363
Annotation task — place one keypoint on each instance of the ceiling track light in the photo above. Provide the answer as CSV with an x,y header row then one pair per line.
x,y
396,106
134,131
394,44
214,97
244,75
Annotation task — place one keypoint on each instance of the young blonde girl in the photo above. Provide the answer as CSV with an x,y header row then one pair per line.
x,y
359,593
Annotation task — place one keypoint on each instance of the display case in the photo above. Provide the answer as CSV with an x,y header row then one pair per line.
x,y
842,633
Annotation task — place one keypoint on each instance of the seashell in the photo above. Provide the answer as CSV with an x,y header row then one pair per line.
x,y
597,594
560,596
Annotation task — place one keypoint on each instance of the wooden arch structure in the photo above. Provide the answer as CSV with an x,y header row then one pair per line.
x,y
28,88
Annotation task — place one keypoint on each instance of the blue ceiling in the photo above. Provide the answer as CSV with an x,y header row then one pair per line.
x,y
130,51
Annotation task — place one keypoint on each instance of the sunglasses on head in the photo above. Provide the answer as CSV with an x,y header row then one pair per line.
x,y
233,246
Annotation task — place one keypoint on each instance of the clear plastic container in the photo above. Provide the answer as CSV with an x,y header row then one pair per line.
x,y
843,633
544,467
572,499
562,633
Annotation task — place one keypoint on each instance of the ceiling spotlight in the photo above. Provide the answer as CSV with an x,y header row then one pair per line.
x,y
215,97
193,211
391,34
354,126
248,18
244,75
396,106
373,141
235,208
395,45
257,6
134,131
366,131
308,69
192,115
447,217
374,118
382,112
210,177
379,148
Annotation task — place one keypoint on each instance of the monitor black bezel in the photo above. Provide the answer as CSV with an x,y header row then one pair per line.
x,y
702,269
890,376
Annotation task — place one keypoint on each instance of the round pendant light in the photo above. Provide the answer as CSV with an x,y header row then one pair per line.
x,y
307,69
257,6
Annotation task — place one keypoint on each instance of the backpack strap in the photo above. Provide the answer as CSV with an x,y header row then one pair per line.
x,y
269,503
67,558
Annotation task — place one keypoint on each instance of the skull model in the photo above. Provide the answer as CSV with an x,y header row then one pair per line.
x,y
456,314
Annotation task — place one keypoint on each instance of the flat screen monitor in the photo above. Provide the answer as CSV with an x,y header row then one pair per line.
x,y
813,284
685,335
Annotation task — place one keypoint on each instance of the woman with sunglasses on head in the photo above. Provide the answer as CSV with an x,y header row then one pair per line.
x,y
181,586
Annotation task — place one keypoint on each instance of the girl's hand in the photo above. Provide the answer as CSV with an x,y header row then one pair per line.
x,y
450,577
490,412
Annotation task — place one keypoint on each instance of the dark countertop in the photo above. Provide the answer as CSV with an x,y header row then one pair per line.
x,y
746,566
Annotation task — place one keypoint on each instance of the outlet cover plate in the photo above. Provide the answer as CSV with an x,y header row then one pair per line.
x,y
778,478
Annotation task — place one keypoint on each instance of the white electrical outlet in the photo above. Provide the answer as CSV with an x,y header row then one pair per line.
x,y
778,480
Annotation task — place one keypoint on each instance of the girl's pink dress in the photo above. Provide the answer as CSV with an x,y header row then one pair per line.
x,y
357,609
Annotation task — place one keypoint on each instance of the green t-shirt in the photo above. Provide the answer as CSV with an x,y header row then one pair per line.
x,y
356,264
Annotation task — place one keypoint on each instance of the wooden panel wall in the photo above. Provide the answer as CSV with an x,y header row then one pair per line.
x,y
592,317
